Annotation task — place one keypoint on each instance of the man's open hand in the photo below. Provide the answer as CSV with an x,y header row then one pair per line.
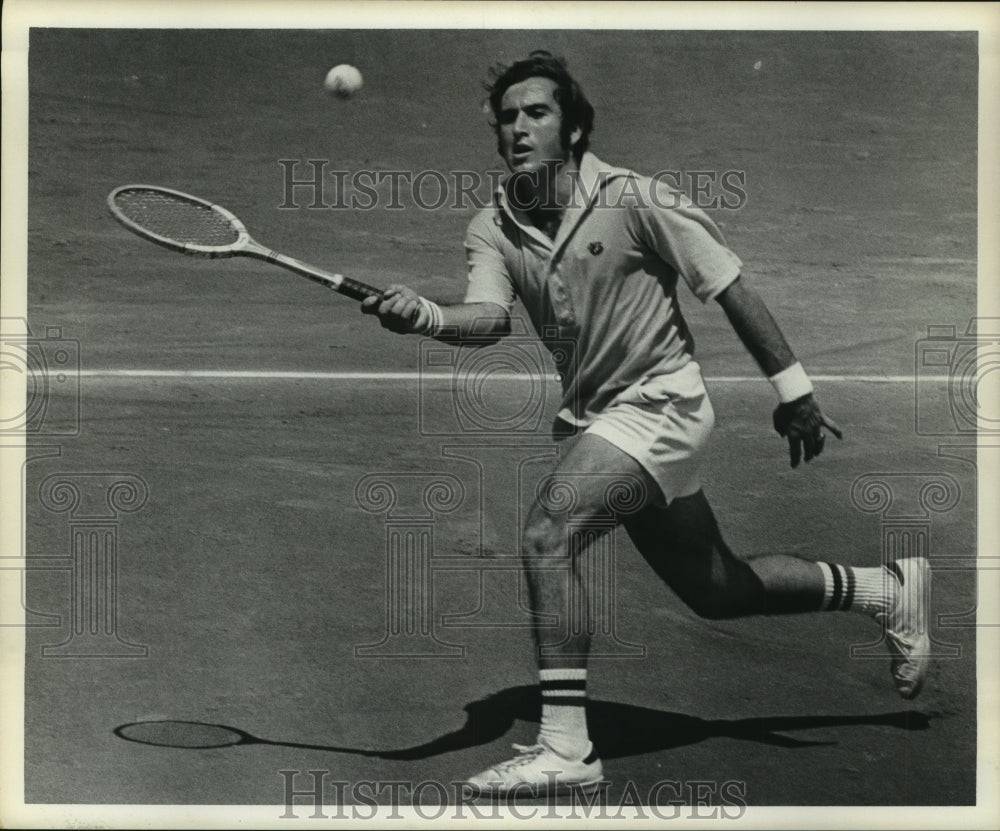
x,y
802,423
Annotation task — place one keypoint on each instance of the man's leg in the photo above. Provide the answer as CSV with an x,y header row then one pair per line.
x,y
576,497
682,542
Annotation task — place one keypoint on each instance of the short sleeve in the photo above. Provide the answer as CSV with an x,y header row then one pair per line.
x,y
489,279
687,239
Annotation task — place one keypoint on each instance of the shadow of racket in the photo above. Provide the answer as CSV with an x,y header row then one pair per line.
x,y
198,735
618,729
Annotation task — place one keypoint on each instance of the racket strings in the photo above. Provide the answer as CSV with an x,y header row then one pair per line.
x,y
177,219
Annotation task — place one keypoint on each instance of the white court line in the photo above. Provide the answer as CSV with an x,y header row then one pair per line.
x,y
289,375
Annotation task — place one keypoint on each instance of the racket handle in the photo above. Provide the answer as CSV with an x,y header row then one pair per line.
x,y
356,290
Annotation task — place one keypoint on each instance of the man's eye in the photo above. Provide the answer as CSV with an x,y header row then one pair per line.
x,y
534,113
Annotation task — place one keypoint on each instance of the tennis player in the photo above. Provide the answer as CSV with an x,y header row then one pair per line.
x,y
595,253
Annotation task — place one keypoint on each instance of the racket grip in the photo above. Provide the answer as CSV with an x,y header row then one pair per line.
x,y
356,290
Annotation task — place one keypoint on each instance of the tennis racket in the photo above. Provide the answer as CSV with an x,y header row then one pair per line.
x,y
190,225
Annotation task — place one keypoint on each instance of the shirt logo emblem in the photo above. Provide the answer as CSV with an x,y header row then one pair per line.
x,y
595,248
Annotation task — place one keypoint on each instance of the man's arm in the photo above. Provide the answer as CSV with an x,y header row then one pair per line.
x,y
400,309
798,416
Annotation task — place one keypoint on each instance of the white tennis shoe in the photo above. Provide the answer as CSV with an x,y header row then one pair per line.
x,y
907,626
538,771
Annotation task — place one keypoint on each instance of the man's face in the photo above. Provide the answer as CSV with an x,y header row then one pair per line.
x,y
530,123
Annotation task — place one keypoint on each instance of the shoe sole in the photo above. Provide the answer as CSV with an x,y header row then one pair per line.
x,y
916,571
526,791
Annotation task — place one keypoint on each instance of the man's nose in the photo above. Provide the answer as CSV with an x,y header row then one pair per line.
x,y
521,124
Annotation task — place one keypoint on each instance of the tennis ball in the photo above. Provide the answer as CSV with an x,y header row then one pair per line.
x,y
343,81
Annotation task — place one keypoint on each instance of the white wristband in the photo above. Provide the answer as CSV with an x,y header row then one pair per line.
x,y
791,383
436,317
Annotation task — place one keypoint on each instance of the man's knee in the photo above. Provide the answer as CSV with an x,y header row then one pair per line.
x,y
544,536
713,603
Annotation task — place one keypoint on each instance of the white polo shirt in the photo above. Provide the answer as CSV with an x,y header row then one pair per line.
x,y
606,286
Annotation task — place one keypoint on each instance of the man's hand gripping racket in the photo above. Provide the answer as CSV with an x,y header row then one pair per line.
x,y
190,225
801,421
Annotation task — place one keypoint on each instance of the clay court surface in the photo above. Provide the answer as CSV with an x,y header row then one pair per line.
x,y
254,569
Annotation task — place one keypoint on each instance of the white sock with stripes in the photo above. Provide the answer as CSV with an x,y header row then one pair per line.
x,y
871,591
564,712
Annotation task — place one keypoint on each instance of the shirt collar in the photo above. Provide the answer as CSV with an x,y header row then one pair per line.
x,y
592,176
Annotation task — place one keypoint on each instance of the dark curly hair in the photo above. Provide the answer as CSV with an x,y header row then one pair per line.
x,y
576,109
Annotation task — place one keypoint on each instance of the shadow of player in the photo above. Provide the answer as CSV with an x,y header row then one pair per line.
x,y
619,730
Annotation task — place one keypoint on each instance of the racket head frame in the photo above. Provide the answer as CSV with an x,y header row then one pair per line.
x,y
212,251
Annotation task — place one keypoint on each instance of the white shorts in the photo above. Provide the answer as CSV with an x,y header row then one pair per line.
x,y
664,423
